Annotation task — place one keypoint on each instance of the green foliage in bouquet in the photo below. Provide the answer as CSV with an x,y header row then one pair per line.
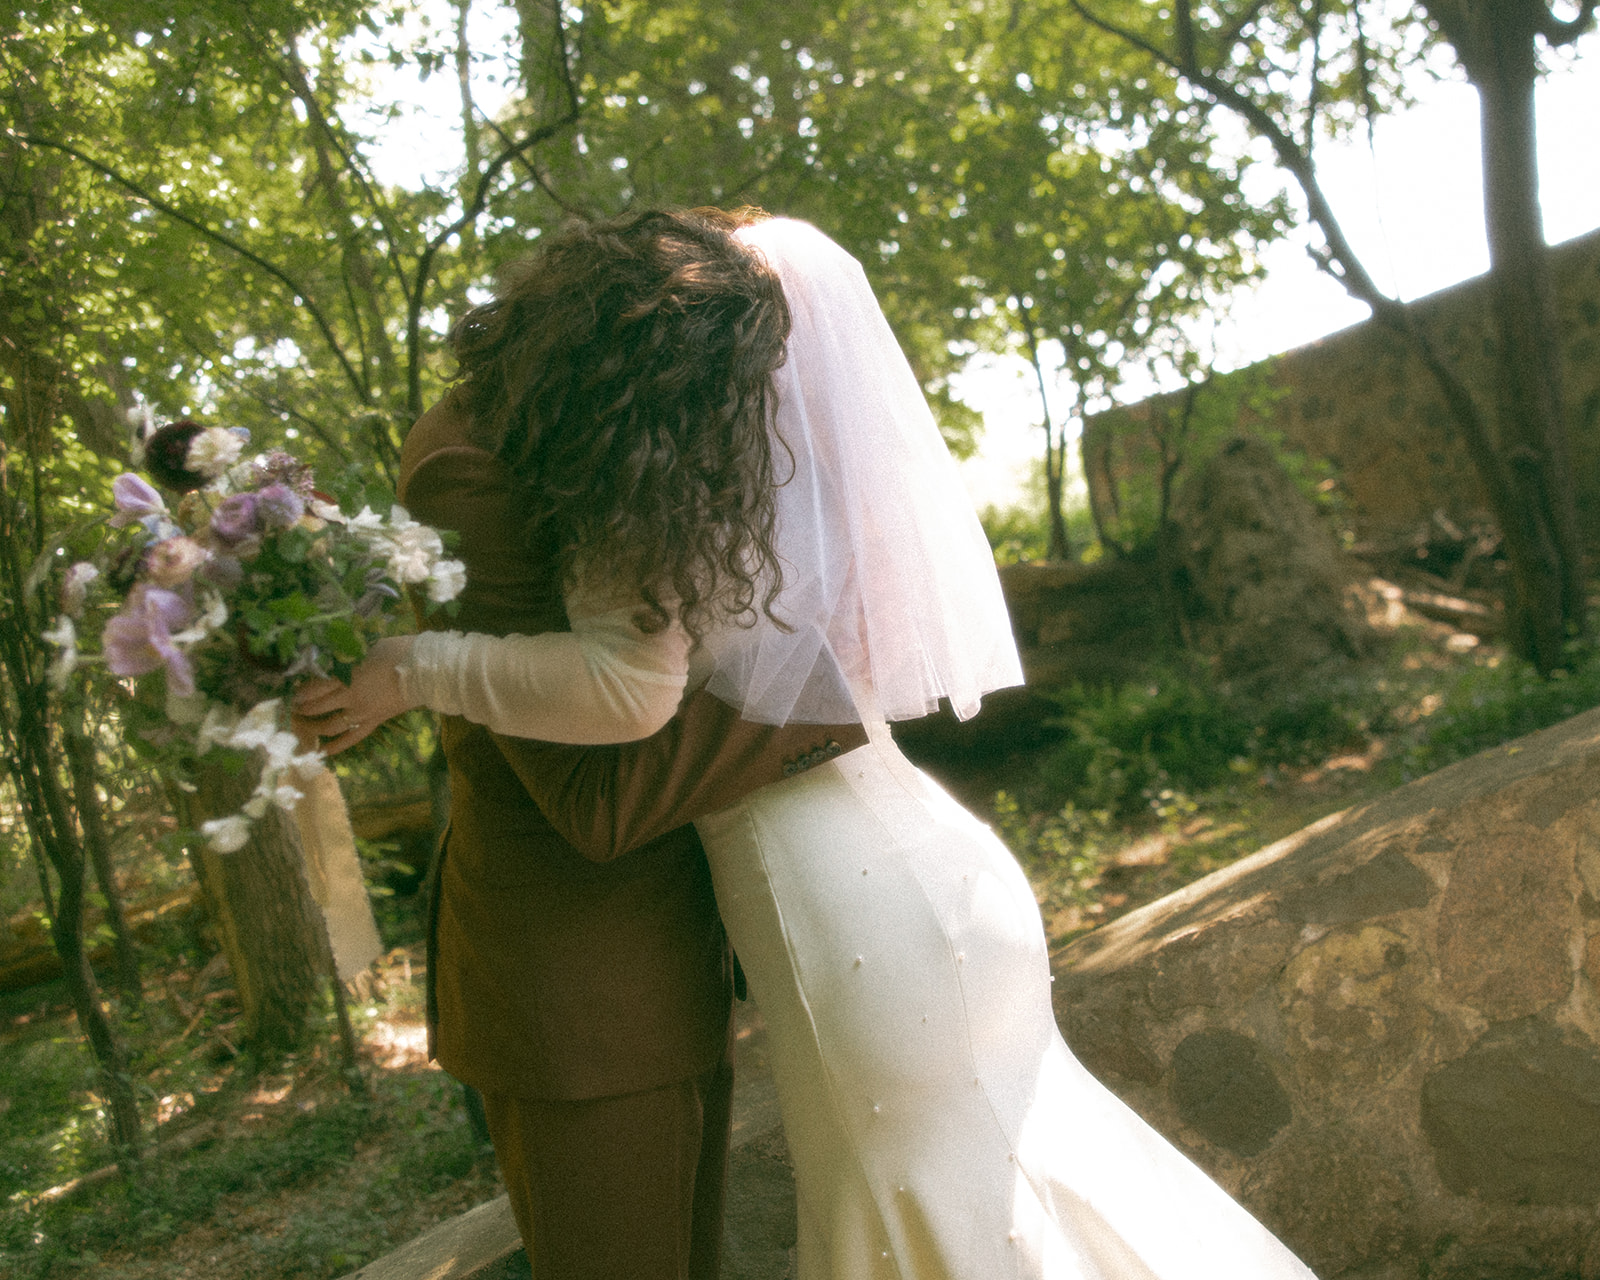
x,y
209,610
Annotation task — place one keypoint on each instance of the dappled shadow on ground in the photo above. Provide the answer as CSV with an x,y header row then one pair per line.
x,y
284,1172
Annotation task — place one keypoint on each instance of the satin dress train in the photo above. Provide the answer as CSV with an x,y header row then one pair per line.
x,y
940,1127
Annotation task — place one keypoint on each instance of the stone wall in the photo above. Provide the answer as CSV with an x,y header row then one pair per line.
x,y
1383,1033
1360,400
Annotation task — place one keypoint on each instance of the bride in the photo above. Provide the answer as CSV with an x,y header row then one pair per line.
x,y
939,1125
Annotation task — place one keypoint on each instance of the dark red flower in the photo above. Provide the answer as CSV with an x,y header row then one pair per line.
x,y
166,456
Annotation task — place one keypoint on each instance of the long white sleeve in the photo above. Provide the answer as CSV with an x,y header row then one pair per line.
x,y
604,681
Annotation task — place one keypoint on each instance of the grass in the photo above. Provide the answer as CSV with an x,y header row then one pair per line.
x,y
284,1173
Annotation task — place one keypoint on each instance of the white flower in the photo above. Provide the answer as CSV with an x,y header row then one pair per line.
x,y
286,796
213,614
281,749
213,451
65,637
216,729
60,671
226,835
400,519
325,511
308,765
364,521
448,580
75,586
413,551
257,728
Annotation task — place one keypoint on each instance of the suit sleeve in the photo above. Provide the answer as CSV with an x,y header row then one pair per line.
x,y
606,801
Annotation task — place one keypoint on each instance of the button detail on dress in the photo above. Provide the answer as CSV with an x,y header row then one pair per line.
x,y
858,961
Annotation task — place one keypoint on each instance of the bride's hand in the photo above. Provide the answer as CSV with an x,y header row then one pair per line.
x,y
334,716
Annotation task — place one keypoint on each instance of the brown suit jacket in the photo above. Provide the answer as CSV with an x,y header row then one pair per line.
x,y
575,949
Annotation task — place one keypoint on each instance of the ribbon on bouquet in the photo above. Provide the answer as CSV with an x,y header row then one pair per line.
x,y
333,869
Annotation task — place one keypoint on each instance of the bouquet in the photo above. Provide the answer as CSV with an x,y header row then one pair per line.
x,y
209,609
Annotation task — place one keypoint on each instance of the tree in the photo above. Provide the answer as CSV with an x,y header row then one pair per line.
x,y
1293,71
998,198
187,224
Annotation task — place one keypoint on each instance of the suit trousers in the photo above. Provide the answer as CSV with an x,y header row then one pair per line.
x,y
619,1188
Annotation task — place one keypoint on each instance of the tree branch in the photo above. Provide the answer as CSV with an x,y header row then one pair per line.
x,y
212,234
474,207
1559,32
301,85
1338,258
1314,90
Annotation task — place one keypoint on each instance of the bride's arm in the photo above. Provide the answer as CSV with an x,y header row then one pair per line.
x,y
605,681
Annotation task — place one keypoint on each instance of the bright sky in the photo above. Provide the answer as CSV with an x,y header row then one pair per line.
x,y
1412,207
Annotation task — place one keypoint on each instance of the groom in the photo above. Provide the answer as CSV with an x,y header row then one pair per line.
x,y
578,972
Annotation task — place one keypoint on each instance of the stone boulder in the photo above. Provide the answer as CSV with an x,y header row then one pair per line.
x,y
1266,577
1383,1033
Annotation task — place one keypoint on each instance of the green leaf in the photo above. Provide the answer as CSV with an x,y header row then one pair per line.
x,y
344,641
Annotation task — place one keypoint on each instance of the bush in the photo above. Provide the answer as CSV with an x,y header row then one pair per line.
x,y
1180,730
1127,743
1491,704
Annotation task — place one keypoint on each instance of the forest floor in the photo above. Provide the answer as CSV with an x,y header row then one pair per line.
x,y
285,1172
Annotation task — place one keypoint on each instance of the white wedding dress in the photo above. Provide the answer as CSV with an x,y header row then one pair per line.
x,y
940,1128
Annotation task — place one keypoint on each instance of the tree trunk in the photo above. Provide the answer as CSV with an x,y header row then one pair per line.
x,y
269,924
86,798
1055,454
116,1082
1547,597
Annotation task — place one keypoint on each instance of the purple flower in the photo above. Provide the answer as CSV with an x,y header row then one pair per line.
x,y
278,506
135,500
236,518
139,639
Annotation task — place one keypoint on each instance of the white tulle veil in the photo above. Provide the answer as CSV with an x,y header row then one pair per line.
x,y
889,587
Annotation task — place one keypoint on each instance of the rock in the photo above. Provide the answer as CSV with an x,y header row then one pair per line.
x,y
1383,1033
1263,569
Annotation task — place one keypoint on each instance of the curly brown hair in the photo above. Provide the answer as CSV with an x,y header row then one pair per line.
x,y
624,374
